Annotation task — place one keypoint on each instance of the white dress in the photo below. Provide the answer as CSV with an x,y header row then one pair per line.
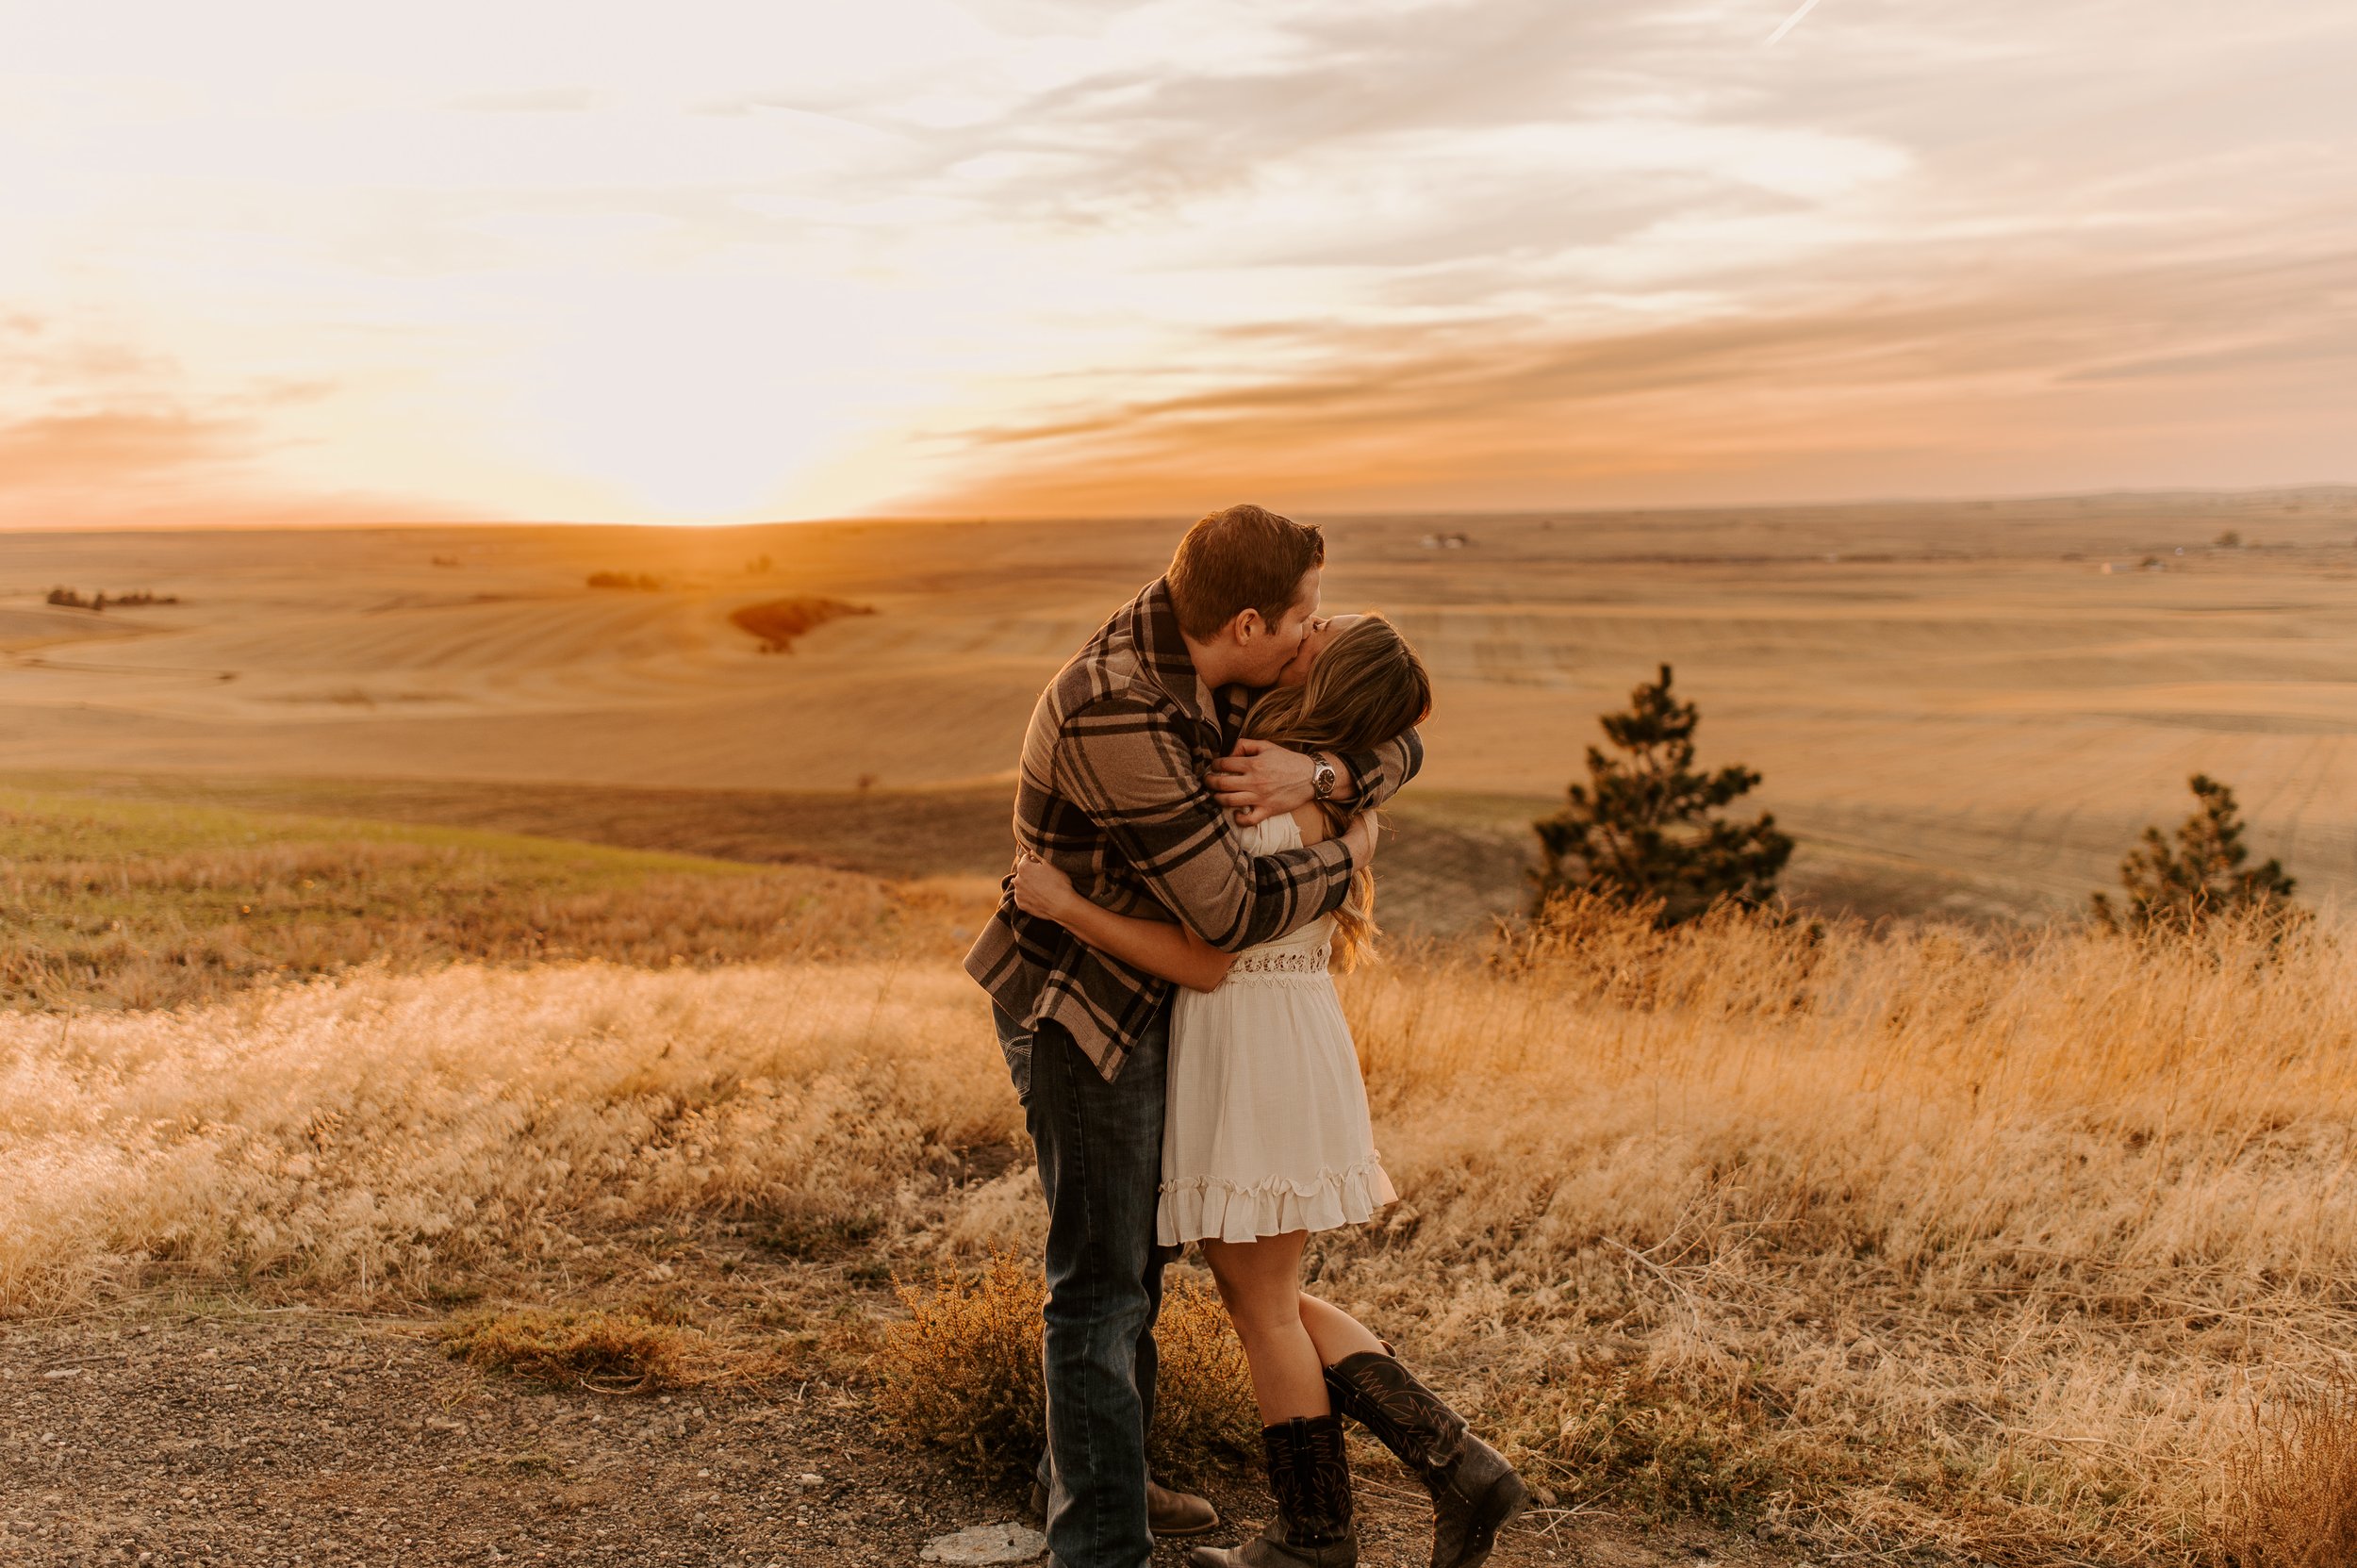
x,y
1265,1130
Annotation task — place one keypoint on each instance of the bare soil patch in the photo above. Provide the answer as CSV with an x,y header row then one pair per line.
x,y
235,1431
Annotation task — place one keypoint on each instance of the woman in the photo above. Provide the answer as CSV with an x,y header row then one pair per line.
x,y
1267,1138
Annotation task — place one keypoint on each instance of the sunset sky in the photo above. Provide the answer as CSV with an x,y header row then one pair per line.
x,y
718,262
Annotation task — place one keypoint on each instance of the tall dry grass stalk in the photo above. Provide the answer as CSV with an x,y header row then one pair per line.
x,y
2291,1500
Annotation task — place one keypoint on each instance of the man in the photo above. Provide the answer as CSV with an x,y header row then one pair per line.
x,y
1127,783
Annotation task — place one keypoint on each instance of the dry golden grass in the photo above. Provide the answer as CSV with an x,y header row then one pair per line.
x,y
1963,1239
382,1133
1908,1237
600,1348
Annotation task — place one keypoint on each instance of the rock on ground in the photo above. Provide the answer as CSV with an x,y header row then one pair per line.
x,y
984,1544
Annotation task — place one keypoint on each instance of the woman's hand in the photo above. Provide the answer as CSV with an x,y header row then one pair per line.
x,y
1041,889
1358,839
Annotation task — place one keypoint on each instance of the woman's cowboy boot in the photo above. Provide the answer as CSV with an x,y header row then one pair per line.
x,y
1474,1492
1309,1478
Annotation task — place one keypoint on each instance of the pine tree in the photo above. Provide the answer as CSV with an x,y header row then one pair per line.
x,y
2182,885
1644,829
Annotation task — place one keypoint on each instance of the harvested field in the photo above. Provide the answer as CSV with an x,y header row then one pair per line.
x,y
1957,709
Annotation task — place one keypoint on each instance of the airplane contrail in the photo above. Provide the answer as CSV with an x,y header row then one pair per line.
x,y
1789,21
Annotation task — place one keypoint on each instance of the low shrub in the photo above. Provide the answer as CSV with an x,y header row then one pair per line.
x,y
73,600
964,1373
777,621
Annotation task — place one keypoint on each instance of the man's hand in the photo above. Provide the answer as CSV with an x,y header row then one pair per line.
x,y
1260,780
1359,838
1042,889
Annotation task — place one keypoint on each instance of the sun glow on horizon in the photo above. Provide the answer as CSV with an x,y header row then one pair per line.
x,y
723,262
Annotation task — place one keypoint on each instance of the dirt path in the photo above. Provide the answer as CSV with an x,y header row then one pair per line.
x,y
253,1439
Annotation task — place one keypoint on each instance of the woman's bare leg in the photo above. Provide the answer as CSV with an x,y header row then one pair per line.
x,y
1260,1283
1335,1333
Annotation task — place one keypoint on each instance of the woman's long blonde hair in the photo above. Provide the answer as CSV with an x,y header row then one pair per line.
x,y
1366,688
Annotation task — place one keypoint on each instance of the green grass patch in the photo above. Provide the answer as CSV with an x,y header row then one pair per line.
x,y
128,903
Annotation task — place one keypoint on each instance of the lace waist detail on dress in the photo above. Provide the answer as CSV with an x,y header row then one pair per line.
x,y
1298,960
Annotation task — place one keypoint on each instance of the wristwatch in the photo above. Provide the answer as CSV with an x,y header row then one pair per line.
x,y
1322,779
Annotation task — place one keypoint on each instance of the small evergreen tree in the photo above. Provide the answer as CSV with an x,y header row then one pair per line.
x,y
1643,828
2181,885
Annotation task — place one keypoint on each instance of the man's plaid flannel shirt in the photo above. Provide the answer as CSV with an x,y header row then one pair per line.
x,y
1112,792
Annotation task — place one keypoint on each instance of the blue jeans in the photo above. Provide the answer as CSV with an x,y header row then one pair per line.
x,y
1100,1165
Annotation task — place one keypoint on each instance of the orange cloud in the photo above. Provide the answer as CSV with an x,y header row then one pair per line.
x,y
155,468
113,438
113,447
2174,371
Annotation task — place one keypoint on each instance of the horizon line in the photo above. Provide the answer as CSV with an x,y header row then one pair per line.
x,y
281,526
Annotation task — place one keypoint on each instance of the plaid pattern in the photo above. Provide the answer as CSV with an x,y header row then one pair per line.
x,y
1111,790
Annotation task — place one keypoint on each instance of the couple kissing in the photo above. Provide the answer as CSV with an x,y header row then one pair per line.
x,y
1195,823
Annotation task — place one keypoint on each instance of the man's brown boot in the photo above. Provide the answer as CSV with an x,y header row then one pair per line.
x,y
1474,1492
1176,1515
1308,1475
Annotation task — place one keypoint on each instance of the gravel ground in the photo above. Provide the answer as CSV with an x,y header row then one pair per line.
x,y
255,1438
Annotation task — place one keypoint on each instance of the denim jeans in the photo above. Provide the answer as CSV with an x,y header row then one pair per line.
x,y
1100,1165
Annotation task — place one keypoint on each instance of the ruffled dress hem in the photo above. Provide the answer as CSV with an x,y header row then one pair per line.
x,y
1213,1207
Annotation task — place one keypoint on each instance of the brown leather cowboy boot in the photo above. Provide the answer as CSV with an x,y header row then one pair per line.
x,y
1176,1515
1308,1475
1170,1514
1474,1492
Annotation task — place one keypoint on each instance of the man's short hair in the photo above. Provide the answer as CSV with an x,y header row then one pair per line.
x,y
1240,558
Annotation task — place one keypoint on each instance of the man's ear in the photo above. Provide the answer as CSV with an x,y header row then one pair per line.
x,y
1247,626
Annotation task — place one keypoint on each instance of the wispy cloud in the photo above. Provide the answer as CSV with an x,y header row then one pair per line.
x,y
1506,413
1029,254
1791,21
103,432
112,448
